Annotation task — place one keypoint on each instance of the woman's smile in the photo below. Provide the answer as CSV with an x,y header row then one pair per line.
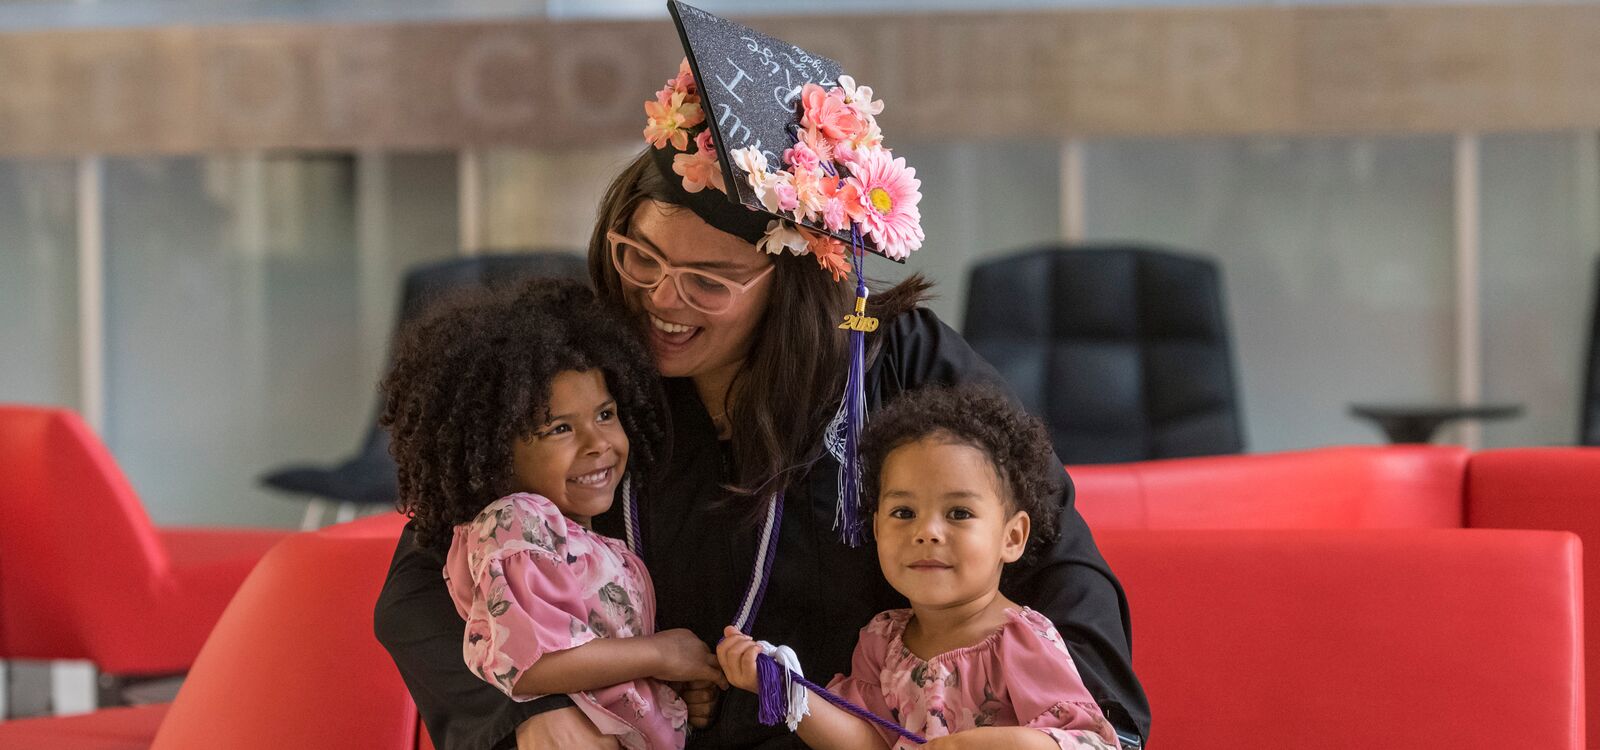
x,y
685,341
668,333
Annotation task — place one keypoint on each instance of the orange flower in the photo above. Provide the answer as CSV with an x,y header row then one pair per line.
x,y
684,81
670,119
830,254
700,169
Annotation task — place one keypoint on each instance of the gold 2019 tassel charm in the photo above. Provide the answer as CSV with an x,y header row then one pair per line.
x,y
859,321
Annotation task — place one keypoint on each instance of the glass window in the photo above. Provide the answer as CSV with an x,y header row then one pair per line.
x,y
38,283
1337,262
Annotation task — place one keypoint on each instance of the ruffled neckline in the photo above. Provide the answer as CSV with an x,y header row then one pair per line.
x,y
900,618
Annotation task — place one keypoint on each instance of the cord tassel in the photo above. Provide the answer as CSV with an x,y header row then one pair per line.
x,y
847,516
780,697
783,690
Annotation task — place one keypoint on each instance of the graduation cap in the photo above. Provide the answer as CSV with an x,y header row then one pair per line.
x,y
776,145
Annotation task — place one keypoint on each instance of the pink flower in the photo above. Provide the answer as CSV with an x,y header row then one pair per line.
x,y
700,169
801,158
827,113
788,198
670,120
684,81
481,648
887,202
818,144
845,152
809,193
834,216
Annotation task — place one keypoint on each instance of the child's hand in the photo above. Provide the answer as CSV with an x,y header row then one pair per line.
x,y
683,657
737,653
701,697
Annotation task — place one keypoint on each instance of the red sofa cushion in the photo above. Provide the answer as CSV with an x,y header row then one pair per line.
x,y
109,729
1330,640
1328,488
1544,488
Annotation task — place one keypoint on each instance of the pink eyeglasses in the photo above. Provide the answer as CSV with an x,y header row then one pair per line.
x,y
643,266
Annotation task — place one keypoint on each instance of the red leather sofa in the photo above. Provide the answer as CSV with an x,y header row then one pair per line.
x,y
83,572
1267,610
1409,492
292,664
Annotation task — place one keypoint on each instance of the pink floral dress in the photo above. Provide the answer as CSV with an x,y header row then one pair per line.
x,y
1020,675
529,581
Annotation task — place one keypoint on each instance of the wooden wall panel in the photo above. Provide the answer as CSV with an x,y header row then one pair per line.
x,y
1150,72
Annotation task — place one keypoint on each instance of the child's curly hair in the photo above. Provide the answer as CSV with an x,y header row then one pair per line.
x,y
473,375
980,416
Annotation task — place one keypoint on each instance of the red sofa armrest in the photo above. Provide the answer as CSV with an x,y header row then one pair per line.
x,y
293,663
1543,488
1329,640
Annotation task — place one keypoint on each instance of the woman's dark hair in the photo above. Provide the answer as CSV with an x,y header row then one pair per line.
x,y
473,375
979,416
789,389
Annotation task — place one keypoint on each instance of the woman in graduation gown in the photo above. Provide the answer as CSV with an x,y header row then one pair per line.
x,y
753,366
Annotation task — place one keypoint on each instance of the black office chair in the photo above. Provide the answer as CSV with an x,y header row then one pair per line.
x,y
368,477
1589,427
1122,351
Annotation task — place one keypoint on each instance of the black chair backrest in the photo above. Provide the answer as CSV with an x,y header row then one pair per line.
x,y
1589,430
1122,351
425,284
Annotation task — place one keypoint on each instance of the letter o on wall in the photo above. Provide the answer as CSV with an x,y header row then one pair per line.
x,y
472,74
591,80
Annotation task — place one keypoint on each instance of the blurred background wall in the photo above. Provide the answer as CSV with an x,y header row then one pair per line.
x,y
201,243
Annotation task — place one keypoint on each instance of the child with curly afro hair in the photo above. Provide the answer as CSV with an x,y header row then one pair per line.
x,y
517,415
959,483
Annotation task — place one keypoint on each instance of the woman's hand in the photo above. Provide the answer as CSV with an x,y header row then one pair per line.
x,y
560,729
682,657
701,697
737,653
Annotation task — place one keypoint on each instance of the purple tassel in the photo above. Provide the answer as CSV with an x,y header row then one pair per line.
x,y
773,693
849,511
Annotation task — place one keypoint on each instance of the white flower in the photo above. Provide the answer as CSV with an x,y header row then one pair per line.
x,y
767,190
860,97
781,236
764,183
750,160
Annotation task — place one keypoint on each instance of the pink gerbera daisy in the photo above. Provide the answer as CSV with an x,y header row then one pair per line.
x,y
888,192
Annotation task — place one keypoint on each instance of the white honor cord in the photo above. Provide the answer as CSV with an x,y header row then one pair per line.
x,y
628,530
798,695
758,576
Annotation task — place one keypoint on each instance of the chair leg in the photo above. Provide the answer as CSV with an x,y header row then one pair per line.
x,y
312,520
5,691
73,688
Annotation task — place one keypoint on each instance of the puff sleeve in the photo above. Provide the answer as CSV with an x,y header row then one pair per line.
x,y
513,581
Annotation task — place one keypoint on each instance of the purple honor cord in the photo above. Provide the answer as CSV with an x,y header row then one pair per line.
x,y
773,678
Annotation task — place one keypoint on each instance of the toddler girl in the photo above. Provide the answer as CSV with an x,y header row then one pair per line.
x,y
516,416
964,484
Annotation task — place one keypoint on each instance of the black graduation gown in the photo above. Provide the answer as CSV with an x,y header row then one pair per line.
x,y
700,551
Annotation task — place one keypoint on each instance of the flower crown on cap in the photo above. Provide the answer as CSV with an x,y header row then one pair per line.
x,y
837,174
